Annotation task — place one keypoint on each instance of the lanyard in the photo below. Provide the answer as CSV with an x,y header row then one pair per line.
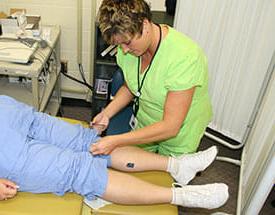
x,y
140,85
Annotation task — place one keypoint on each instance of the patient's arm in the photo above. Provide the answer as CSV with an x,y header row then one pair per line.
x,y
8,189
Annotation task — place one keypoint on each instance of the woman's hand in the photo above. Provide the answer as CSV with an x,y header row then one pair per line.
x,y
104,146
8,189
100,122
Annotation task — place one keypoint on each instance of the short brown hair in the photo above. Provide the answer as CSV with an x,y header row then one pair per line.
x,y
122,17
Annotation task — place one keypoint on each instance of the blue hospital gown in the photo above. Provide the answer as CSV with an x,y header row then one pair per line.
x,y
44,154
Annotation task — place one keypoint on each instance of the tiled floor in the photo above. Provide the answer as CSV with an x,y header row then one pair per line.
x,y
218,172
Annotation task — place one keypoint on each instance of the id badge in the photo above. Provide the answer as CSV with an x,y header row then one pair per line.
x,y
133,122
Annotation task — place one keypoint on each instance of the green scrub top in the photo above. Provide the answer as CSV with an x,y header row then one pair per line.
x,y
179,64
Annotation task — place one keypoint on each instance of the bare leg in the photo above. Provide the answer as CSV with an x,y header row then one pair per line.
x,y
133,159
183,169
126,189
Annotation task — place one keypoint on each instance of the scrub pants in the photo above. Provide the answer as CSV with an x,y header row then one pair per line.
x,y
55,158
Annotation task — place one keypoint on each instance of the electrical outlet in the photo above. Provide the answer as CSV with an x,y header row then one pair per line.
x,y
64,66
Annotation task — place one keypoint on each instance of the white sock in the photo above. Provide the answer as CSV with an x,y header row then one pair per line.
x,y
208,196
173,165
184,168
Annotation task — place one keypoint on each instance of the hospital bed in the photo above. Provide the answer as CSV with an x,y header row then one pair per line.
x,y
72,204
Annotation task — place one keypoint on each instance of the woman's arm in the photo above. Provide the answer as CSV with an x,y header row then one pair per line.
x,y
122,98
176,108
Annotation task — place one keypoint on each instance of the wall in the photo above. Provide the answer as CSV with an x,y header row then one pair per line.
x,y
3,6
158,5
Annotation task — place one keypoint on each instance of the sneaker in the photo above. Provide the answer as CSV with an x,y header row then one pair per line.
x,y
207,196
184,168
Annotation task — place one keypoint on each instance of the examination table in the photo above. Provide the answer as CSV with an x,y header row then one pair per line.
x,y
72,204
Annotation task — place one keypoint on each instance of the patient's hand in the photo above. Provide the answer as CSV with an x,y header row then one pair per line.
x,y
8,189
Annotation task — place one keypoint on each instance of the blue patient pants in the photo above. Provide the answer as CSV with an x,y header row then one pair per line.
x,y
55,158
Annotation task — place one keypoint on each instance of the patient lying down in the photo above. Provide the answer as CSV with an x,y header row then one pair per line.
x,y
39,153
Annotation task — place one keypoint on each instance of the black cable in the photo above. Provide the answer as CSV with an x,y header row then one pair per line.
x,y
82,73
83,77
78,81
84,82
